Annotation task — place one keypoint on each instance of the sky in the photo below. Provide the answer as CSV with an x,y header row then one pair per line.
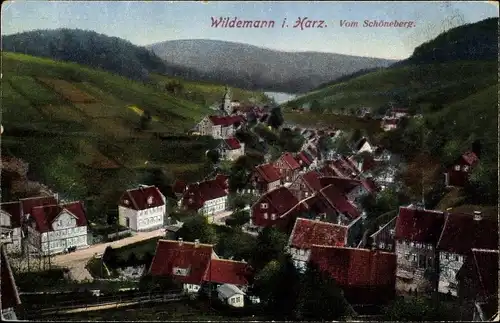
x,y
148,22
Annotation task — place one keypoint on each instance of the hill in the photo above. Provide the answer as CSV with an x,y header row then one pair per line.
x,y
253,67
457,95
77,128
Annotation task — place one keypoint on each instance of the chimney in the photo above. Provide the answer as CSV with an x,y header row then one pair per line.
x,y
180,241
477,216
196,242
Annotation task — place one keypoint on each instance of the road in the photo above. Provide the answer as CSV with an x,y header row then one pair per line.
x,y
77,260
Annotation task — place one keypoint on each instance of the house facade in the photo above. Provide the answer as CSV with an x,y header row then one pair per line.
x,y
389,124
231,149
53,229
383,238
142,209
288,167
220,127
208,197
416,236
462,233
458,174
10,223
269,209
231,295
265,178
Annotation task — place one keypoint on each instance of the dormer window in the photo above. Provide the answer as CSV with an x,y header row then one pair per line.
x,y
265,216
457,167
466,168
273,216
127,202
150,200
264,206
177,271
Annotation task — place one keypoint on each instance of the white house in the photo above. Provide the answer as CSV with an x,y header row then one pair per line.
x,y
142,208
208,197
220,127
364,146
231,295
10,226
231,149
54,229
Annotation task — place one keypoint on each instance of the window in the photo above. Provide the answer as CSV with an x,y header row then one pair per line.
x,y
414,257
232,300
265,216
456,257
382,245
457,167
466,168
273,216
446,256
411,244
264,205
389,246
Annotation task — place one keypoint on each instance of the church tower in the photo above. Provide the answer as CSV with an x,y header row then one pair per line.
x,y
226,102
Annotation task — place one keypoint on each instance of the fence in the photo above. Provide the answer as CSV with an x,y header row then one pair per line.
x,y
119,234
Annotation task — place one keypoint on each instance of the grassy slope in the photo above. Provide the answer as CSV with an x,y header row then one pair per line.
x,y
211,92
421,83
51,132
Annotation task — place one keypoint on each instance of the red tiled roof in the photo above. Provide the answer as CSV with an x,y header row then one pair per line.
x,y
486,269
312,179
142,198
268,173
233,143
197,194
222,180
14,210
171,255
179,187
307,233
340,201
29,203
369,185
281,198
226,121
344,185
461,233
304,159
470,158
419,225
10,295
288,160
356,267
44,216
225,271
319,205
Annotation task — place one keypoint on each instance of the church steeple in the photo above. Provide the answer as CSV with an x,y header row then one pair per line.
x,y
226,104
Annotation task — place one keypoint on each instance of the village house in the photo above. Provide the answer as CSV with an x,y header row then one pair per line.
x,y
416,237
178,188
398,113
363,145
367,277
265,178
354,190
142,208
10,301
231,149
195,265
269,209
383,238
462,233
478,285
56,228
231,295
307,232
10,222
288,167
305,160
305,185
220,127
388,124
365,162
208,197
458,174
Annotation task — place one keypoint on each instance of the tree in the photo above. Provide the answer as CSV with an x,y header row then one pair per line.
x,y
316,107
325,144
276,118
240,217
320,297
213,156
145,120
341,145
198,227
482,187
416,309
355,136
270,245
